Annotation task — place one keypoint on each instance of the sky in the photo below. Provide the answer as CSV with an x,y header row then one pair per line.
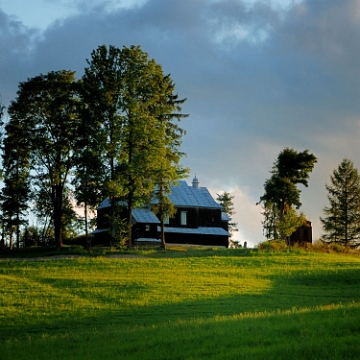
x,y
258,76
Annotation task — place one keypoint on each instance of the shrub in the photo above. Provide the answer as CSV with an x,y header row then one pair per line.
x,y
272,245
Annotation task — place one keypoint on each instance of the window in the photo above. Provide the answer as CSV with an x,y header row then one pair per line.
x,y
166,221
147,227
183,217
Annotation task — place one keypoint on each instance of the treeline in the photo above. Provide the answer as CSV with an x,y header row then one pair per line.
x,y
281,199
112,134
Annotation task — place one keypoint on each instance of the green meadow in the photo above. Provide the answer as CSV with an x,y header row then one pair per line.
x,y
198,304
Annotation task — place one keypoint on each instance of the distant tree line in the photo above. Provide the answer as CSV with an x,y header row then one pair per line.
x,y
112,134
281,200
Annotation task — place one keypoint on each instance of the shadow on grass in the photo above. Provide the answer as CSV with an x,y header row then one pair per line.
x,y
297,291
299,334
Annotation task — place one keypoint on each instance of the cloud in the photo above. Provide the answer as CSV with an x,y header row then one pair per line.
x,y
16,43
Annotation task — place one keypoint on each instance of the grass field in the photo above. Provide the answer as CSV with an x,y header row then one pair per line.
x,y
200,304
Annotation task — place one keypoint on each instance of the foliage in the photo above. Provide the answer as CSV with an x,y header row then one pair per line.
x,y
291,221
15,193
135,105
281,193
272,245
226,201
88,171
189,307
30,236
342,217
271,219
47,108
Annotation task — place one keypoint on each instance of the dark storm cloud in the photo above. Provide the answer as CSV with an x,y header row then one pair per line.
x,y
16,42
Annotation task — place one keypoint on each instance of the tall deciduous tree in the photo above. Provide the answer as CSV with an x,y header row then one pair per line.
x,y
16,191
290,169
89,170
135,104
102,93
46,106
342,217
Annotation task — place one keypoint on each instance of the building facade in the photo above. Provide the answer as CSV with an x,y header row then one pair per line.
x,y
198,220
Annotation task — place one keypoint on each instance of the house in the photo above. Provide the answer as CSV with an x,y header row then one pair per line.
x,y
198,220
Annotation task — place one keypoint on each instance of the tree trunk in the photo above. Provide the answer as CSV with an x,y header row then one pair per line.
x,y
58,215
163,243
161,190
11,239
129,219
87,238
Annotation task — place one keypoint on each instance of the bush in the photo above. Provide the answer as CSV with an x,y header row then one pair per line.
x,y
333,248
272,245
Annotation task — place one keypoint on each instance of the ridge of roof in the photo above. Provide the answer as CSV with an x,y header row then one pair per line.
x,y
183,195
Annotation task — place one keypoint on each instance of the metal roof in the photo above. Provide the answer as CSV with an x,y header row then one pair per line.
x,y
183,195
142,215
198,231
225,217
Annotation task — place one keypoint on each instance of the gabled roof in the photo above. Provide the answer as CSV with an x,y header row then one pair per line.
x,y
183,195
142,215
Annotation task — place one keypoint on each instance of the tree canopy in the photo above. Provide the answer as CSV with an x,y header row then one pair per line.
x,y
225,199
341,222
114,134
135,105
46,109
281,193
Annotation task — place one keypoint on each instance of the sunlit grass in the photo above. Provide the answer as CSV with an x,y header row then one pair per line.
x,y
218,305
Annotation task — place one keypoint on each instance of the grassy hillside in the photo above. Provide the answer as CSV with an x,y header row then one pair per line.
x,y
202,304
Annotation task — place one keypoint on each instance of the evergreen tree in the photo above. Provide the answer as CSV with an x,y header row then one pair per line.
x,y
342,217
226,201
281,192
270,214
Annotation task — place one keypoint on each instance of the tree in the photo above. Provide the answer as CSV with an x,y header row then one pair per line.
x,y
281,192
167,168
271,214
47,107
101,92
342,217
135,105
291,221
16,191
226,201
89,168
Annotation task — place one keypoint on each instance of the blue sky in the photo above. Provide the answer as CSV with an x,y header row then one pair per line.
x,y
258,76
